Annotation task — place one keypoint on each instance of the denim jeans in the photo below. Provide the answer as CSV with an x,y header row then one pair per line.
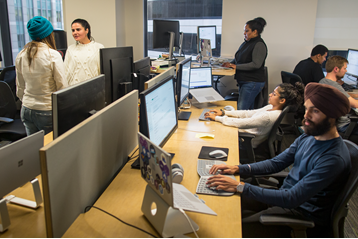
x,y
36,120
248,90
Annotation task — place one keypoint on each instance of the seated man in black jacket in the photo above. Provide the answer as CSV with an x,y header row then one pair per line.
x,y
310,69
321,164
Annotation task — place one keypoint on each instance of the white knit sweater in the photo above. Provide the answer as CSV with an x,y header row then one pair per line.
x,y
82,62
258,122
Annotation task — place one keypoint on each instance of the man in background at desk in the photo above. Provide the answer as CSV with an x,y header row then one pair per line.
x,y
336,67
310,69
321,165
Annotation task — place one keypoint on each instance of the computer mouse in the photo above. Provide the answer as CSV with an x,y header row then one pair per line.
x,y
229,108
217,154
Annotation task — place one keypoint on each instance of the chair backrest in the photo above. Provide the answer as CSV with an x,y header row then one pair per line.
x,y
340,210
8,74
288,77
7,101
276,134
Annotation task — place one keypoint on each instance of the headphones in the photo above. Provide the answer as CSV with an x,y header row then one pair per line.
x,y
177,173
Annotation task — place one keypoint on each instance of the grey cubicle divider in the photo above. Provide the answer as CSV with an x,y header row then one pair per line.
x,y
169,72
79,165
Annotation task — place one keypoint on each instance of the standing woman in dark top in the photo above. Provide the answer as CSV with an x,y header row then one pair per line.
x,y
249,63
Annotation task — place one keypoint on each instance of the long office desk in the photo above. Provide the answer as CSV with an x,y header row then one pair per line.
x,y
123,197
215,71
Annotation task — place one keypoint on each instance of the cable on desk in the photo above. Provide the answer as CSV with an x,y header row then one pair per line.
x,y
187,218
131,157
88,207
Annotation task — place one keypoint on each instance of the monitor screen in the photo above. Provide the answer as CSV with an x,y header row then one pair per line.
x,y
183,80
161,36
207,32
158,111
200,77
72,105
105,55
352,68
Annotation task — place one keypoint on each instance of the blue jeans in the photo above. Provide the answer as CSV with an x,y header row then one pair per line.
x,y
248,90
36,120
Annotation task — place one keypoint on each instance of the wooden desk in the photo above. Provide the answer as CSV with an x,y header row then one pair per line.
x,y
123,197
215,71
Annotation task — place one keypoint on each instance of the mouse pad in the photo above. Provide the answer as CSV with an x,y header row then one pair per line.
x,y
205,150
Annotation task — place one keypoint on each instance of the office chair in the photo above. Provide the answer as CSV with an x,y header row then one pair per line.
x,y
292,78
267,149
348,133
11,129
339,210
261,99
8,74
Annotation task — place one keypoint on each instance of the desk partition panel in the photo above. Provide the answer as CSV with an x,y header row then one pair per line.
x,y
79,165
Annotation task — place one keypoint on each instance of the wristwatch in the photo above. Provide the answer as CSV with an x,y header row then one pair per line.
x,y
240,188
222,112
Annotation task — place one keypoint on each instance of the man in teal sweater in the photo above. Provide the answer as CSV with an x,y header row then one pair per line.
x,y
321,164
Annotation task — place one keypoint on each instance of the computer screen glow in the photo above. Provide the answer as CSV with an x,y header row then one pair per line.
x,y
161,115
200,77
185,81
208,32
352,68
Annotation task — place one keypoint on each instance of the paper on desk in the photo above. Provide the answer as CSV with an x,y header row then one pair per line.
x,y
205,135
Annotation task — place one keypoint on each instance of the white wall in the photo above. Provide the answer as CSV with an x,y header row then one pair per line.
x,y
101,15
337,24
288,34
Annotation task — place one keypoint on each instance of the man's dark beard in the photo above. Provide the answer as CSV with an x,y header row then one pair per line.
x,y
316,129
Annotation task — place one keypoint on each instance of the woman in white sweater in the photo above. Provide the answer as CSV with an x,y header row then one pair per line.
x,y
39,72
82,58
260,121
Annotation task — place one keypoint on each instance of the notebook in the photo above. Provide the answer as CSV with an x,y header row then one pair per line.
x,y
201,85
156,170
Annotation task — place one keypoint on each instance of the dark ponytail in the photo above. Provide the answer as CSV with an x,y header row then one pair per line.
x,y
85,25
292,94
257,24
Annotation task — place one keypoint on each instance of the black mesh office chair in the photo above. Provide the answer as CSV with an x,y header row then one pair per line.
x,y
288,77
8,74
339,211
267,149
11,129
348,133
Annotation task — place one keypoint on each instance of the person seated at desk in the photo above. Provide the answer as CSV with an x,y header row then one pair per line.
x,y
321,165
260,121
310,69
336,67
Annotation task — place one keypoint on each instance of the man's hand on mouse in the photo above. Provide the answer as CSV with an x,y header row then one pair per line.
x,y
225,169
222,182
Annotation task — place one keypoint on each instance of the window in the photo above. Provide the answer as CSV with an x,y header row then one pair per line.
x,y
190,14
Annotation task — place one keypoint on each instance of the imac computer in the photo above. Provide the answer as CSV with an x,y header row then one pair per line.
x,y
76,103
207,32
19,164
166,35
169,72
183,82
352,68
105,55
141,68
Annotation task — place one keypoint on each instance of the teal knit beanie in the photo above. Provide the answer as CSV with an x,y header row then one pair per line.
x,y
39,28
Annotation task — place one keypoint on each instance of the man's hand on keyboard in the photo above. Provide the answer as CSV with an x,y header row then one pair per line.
x,y
222,182
225,169
209,115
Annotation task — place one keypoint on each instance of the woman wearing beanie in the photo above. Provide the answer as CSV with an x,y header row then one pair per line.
x,y
249,63
82,58
39,72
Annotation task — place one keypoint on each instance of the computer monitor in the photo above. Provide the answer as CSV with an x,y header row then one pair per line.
x,y
352,68
166,34
158,111
121,75
105,55
78,166
183,81
200,77
168,72
207,32
142,70
76,103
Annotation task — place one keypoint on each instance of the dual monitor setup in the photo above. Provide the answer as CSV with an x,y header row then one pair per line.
x,y
166,34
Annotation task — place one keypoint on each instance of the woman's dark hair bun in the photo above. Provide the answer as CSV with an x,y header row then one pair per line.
x,y
261,21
